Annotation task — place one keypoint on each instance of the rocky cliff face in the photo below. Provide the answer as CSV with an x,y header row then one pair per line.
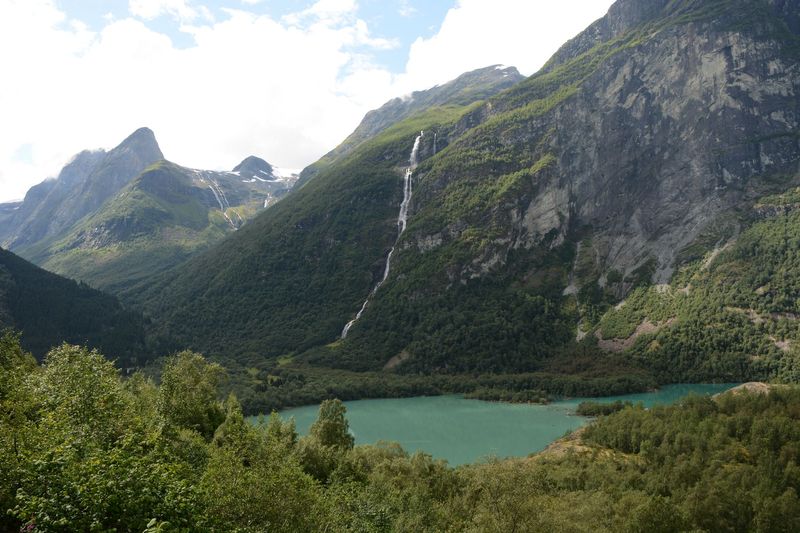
x,y
531,211
84,184
690,111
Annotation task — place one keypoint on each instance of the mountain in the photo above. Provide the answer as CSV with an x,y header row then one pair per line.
x,y
160,218
49,310
149,218
646,141
82,186
468,88
255,168
282,249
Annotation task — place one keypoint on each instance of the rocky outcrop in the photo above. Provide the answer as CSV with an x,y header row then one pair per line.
x,y
752,387
468,88
92,177
254,167
771,211
679,120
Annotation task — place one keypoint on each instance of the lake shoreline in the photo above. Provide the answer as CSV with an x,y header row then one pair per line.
x,y
462,430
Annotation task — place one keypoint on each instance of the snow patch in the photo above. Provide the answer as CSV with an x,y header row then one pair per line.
x,y
285,173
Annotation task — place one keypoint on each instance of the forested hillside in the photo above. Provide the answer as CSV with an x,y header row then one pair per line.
x,y
285,281
533,213
48,310
81,449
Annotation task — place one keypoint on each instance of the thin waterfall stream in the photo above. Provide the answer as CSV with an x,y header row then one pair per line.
x,y
402,220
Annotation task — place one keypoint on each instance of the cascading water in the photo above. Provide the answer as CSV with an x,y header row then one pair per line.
x,y
402,220
219,195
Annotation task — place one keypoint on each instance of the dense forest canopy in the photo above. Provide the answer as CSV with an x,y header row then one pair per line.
x,y
50,309
82,449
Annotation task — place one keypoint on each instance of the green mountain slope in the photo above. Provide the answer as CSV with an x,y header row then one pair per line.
x,y
285,281
537,210
158,220
464,90
733,313
83,185
49,310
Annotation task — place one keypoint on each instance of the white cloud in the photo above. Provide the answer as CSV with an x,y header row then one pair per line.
x,y
179,9
249,85
330,12
287,90
405,9
475,33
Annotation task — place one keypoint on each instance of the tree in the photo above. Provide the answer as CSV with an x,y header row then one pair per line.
x,y
331,427
16,401
89,463
253,483
80,390
189,392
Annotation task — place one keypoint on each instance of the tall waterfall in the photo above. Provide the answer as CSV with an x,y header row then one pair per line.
x,y
402,220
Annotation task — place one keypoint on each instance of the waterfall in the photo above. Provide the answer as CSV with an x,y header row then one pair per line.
x,y
219,194
402,220
219,200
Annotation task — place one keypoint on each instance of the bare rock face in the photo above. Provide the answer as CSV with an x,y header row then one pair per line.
x,y
673,135
84,184
690,111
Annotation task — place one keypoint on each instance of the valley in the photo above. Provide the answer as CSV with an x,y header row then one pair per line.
x,y
180,348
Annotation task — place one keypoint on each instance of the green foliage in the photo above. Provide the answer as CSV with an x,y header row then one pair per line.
x,y
331,427
787,198
252,483
730,315
83,450
16,403
505,395
188,393
49,310
81,457
590,373
600,409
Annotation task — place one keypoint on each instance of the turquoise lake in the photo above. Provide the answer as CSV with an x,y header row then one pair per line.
x,y
464,431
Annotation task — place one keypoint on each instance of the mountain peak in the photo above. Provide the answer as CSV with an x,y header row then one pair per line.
x,y
252,166
466,89
142,142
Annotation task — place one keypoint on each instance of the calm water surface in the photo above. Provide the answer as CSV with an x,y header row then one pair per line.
x,y
464,431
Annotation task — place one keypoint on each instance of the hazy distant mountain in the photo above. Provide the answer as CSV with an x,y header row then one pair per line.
x,y
82,186
114,218
160,218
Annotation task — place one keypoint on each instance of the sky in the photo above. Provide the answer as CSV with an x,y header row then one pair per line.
x,y
218,80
